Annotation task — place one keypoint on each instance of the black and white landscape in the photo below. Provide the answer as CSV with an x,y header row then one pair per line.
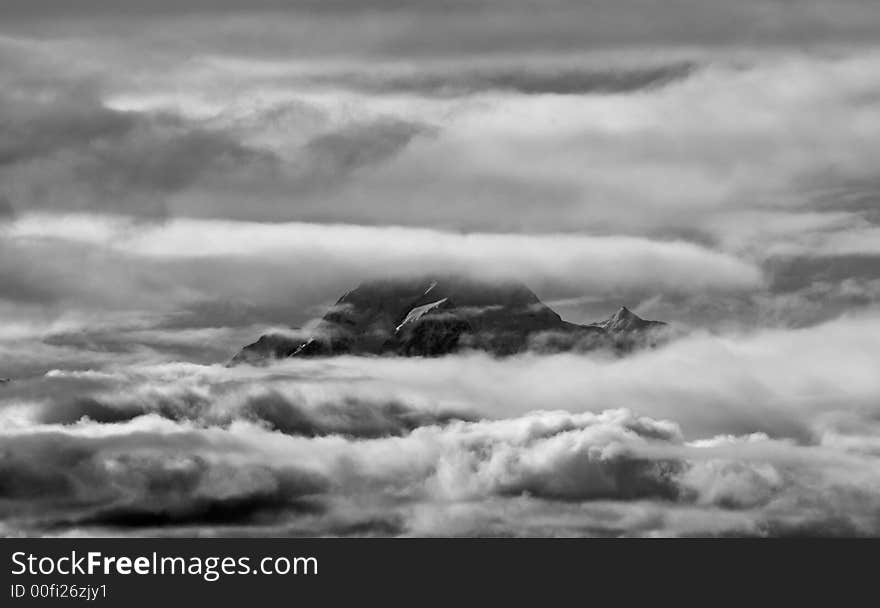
x,y
447,268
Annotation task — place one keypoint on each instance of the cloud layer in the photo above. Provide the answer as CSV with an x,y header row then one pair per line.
x,y
768,434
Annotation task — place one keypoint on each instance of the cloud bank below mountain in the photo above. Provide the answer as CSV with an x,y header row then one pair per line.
x,y
772,433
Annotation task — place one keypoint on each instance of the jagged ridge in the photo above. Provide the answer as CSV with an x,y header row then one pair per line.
x,y
439,315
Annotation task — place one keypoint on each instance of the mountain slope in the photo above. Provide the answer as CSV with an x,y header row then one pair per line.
x,y
433,316
624,320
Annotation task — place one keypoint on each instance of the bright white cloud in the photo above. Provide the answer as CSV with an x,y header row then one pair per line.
x,y
597,263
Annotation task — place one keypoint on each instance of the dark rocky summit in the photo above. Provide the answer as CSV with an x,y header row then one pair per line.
x,y
441,315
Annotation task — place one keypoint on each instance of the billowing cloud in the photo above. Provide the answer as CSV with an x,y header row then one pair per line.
x,y
766,434
154,476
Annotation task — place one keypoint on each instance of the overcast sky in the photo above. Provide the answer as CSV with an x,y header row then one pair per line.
x,y
178,176
720,153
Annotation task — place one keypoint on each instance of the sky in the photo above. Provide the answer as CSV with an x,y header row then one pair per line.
x,y
180,177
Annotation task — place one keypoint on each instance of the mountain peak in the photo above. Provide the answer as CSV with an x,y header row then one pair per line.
x,y
437,315
626,320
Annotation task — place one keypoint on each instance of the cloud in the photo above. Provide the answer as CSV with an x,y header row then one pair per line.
x,y
748,176
108,483
707,162
761,174
146,474
583,474
463,79
168,290
72,153
565,259
773,433
283,409
771,381
6,209
360,145
63,148
456,26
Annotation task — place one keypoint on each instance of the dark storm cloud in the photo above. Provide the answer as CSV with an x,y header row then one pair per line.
x,y
617,478
120,481
350,416
561,80
791,274
288,413
305,176
85,407
31,129
73,153
6,209
331,156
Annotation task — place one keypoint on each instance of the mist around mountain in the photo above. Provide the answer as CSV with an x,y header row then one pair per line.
x,y
435,316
